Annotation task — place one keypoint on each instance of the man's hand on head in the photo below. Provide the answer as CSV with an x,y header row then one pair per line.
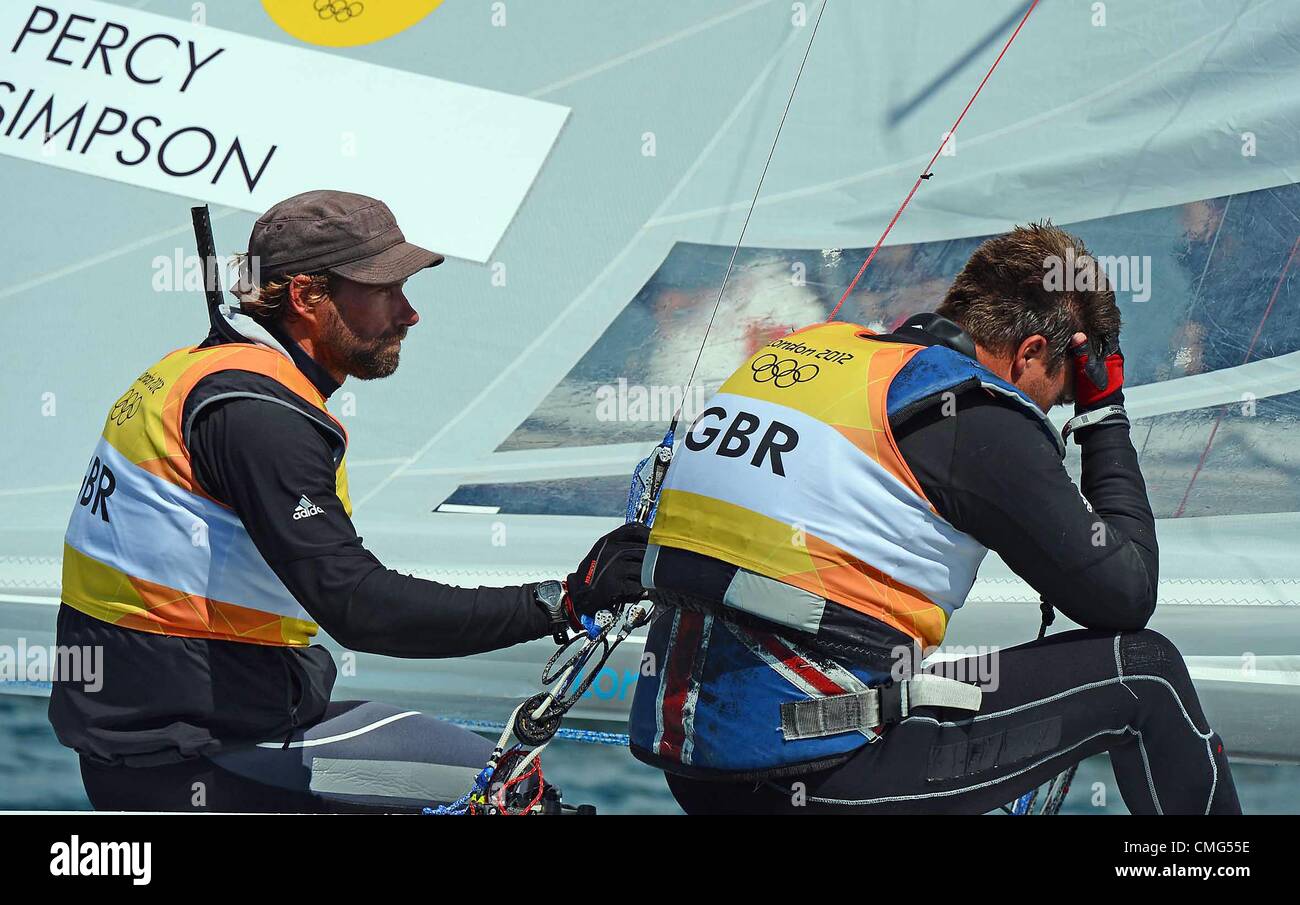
x,y
1098,383
1098,373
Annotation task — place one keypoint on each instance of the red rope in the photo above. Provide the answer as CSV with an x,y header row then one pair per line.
x,y
534,770
925,174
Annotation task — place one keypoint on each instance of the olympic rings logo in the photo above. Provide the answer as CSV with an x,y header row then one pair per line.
x,y
125,408
338,10
784,372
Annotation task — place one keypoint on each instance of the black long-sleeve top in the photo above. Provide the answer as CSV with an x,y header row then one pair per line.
x,y
261,458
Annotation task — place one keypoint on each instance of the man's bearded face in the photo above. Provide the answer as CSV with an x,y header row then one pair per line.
x,y
354,354
362,328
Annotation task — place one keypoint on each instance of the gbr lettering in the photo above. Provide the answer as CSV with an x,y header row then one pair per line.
x,y
737,438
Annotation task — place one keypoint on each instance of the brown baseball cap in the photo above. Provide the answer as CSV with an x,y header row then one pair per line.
x,y
353,236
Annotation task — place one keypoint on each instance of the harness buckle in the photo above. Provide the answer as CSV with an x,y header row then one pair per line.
x,y
894,700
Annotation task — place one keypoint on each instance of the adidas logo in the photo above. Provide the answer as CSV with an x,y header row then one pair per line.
x,y
306,509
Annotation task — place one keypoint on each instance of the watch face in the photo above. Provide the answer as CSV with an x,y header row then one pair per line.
x,y
550,592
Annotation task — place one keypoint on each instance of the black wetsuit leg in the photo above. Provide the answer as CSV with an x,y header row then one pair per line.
x,y
1050,704
362,757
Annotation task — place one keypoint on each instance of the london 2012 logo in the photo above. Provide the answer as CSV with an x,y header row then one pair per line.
x,y
347,23
125,408
782,372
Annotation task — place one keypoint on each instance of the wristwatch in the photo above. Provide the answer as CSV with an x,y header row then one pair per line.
x,y
550,596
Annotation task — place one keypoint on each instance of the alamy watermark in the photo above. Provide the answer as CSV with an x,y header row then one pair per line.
x,y
975,664
633,402
25,662
76,858
1077,273
182,272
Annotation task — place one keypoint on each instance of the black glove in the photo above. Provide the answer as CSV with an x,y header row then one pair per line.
x,y
609,575
1098,385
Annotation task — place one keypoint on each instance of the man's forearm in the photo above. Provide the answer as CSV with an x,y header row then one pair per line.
x,y
1124,584
260,458
1113,484
401,616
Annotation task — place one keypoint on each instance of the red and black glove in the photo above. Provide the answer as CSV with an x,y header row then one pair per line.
x,y
1098,374
1098,385
609,575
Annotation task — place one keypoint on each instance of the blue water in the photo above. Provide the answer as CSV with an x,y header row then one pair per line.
x,y
37,773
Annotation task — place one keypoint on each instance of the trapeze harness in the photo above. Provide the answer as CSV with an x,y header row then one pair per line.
x,y
792,476
148,549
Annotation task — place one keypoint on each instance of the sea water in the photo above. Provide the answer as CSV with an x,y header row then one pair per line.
x,y
37,773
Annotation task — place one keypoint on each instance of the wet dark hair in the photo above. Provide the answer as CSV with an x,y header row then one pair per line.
x,y
1004,294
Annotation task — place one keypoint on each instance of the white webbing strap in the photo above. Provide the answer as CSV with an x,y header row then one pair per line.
x,y
928,690
875,707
